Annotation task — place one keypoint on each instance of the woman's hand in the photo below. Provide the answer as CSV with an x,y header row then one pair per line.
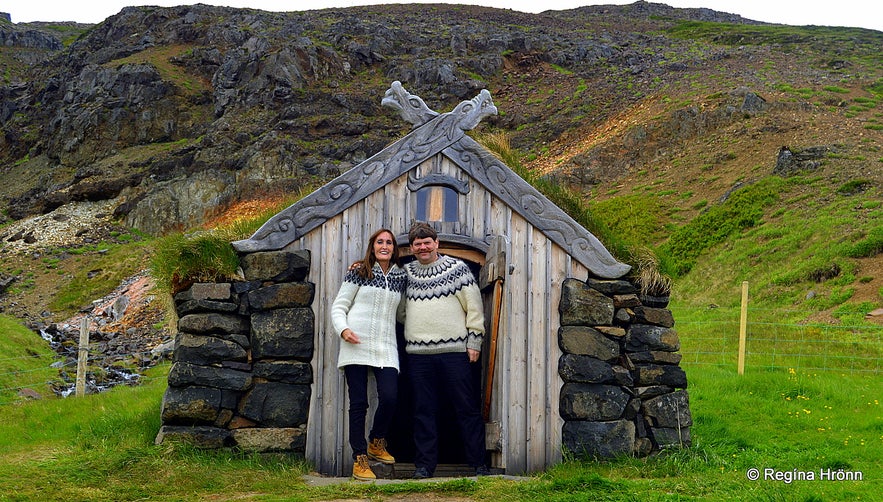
x,y
349,336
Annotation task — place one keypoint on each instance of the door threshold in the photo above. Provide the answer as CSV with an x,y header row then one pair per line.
x,y
402,470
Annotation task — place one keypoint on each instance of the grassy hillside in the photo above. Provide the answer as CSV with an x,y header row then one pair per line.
x,y
805,236
669,161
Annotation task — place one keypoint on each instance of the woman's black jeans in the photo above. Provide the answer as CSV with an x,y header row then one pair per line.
x,y
387,394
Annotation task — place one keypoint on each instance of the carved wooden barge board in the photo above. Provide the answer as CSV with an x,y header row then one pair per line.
x,y
445,134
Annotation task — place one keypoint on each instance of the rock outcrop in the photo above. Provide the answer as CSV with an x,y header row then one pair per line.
x,y
174,112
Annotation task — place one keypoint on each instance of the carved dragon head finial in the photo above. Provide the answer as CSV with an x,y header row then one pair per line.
x,y
471,112
411,107
414,110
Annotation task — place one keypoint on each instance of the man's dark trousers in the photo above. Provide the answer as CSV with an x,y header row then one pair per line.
x,y
447,375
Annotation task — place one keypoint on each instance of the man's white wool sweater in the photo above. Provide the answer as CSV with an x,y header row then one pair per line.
x,y
444,312
369,307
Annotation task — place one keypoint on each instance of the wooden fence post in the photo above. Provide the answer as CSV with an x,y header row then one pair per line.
x,y
82,355
743,328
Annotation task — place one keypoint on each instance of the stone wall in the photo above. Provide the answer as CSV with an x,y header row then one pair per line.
x,y
624,392
241,374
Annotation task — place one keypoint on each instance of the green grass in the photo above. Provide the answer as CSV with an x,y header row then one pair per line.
x,y
203,256
25,361
742,210
735,34
783,414
101,448
636,218
208,255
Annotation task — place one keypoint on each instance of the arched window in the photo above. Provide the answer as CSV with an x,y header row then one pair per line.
x,y
437,198
437,203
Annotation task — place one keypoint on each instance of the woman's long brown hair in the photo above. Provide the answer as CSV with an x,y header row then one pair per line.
x,y
366,270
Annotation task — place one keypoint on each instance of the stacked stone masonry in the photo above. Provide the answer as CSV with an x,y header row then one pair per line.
x,y
624,392
241,374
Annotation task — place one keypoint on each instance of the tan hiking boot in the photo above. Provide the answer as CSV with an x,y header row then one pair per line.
x,y
377,451
361,469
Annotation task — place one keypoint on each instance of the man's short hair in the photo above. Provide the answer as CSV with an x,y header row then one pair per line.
x,y
421,230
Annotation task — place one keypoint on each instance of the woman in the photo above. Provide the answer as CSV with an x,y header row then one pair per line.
x,y
364,315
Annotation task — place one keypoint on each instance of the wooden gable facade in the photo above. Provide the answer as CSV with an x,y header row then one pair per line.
x,y
523,246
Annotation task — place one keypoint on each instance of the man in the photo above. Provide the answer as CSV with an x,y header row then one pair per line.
x,y
444,328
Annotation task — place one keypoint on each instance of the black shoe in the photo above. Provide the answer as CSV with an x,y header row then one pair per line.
x,y
482,470
421,473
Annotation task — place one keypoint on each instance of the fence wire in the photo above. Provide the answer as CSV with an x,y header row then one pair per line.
x,y
707,337
59,372
712,338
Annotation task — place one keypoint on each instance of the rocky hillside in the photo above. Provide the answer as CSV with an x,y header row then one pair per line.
x,y
159,119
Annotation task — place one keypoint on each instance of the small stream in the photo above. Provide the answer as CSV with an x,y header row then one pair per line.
x,y
109,364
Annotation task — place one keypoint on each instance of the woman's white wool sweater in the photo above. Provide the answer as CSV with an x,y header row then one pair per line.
x,y
444,308
368,307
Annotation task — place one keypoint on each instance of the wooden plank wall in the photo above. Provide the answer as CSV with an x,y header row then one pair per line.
x,y
333,246
526,384
528,351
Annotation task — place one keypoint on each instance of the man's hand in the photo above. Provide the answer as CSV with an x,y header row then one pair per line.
x,y
473,355
355,265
